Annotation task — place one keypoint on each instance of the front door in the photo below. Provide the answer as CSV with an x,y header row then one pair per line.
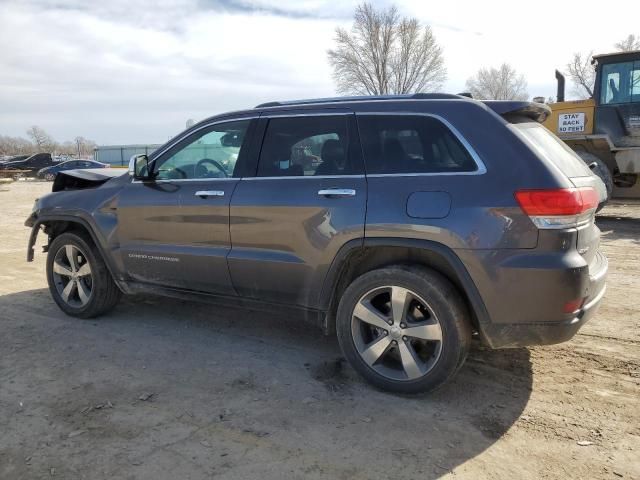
x,y
174,230
307,199
148,232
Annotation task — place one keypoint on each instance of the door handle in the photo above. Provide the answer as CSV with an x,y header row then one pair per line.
x,y
209,193
337,192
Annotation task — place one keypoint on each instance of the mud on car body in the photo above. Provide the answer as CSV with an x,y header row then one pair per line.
x,y
404,225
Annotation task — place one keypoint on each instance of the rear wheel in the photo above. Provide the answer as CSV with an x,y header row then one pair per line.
x,y
78,278
405,329
50,177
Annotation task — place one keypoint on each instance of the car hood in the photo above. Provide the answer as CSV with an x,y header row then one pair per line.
x,y
87,178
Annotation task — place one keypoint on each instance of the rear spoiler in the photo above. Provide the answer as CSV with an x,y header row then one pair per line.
x,y
535,111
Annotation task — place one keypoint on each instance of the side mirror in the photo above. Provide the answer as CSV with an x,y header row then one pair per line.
x,y
139,167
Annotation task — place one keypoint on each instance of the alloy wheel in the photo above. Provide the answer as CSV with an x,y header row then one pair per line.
x,y
72,276
396,333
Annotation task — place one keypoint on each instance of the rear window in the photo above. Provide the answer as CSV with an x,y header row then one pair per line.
x,y
554,150
411,144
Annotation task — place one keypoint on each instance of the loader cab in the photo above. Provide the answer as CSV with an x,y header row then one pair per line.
x,y
617,99
605,127
617,78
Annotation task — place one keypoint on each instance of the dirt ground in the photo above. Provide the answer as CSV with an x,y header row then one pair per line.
x,y
167,389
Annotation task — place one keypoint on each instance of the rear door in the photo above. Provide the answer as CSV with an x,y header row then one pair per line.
x,y
307,199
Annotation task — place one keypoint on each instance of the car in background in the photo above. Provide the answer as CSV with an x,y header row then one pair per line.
x,y
49,173
28,167
13,158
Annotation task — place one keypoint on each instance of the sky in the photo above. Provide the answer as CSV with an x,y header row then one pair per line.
x,y
129,71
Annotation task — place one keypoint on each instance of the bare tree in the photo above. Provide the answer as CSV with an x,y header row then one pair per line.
x,y
67,148
41,139
84,147
42,142
502,83
583,74
386,54
15,146
628,44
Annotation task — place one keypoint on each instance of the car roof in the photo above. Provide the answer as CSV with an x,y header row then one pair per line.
x,y
369,98
334,102
389,102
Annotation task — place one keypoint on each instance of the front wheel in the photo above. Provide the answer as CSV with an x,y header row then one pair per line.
x,y
78,278
49,177
405,329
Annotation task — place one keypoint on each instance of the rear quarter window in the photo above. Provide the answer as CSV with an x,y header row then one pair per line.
x,y
552,149
411,144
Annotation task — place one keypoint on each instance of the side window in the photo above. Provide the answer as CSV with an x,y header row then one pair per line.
x,y
305,146
635,82
212,153
620,83
411,144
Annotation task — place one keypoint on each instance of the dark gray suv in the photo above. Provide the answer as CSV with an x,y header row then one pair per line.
x,y
405,225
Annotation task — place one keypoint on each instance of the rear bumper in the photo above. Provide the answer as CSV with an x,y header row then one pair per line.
x,y
527,306
547,333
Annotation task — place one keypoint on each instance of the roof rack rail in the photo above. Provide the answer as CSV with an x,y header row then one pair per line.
x,y
414,96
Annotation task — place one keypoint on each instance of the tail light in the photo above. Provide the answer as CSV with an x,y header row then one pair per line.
x,y
558,208
574,305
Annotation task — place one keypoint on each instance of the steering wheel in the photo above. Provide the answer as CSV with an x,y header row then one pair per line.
x,y
212,162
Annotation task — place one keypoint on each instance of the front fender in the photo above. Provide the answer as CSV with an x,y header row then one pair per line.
x,y
36,222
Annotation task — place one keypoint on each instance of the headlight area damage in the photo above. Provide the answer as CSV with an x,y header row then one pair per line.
x,y
80,179
67,210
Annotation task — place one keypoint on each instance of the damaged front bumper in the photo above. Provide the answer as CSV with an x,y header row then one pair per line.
x,y
34,224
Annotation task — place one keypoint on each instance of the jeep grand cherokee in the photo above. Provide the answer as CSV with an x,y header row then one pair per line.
x,y
405,225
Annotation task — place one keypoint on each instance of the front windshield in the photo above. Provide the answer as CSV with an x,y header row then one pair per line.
x,y
620,83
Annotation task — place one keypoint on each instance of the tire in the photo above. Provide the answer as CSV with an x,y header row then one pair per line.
x,y
49,177
601,171
432,302
94,292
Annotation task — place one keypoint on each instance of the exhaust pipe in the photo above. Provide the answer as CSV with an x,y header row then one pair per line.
x,y
560,92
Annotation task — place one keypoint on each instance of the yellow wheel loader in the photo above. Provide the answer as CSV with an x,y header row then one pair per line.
x,y
605,129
